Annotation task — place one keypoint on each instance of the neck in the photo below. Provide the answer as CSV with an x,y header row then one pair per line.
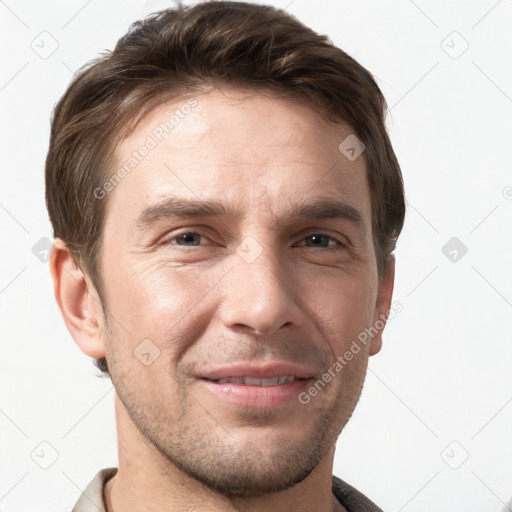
x,y
147,481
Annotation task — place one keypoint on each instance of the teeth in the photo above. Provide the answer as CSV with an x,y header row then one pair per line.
x,y
252,381
233,380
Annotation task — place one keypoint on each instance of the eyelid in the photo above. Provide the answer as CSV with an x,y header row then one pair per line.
x,y
339,239
341,242
169,237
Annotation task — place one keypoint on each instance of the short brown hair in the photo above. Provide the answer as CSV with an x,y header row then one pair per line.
x,y
181,51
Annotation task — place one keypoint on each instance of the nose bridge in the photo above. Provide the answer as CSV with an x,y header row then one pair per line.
x,y
257,294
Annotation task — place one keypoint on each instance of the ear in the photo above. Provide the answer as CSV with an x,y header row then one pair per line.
x,y
383,304
78,301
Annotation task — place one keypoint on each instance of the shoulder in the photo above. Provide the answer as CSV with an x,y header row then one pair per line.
x,y
91,499
351,498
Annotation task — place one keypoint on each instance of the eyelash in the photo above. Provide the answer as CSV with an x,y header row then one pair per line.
x,y
339,244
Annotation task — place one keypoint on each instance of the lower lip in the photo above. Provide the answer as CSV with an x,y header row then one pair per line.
x,y
260,397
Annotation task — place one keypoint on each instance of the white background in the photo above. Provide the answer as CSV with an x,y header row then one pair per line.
x,y
444,374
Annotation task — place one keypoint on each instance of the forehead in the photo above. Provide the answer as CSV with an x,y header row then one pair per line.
x,y
246,148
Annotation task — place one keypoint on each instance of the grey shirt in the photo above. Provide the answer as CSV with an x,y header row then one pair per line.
x,y
91,500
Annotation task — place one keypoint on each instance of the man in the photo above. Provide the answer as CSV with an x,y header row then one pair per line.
x,y
225,203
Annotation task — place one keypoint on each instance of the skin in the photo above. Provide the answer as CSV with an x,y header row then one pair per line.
x,y
301,300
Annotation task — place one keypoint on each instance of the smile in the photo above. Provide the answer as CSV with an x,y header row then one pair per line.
x,y
254,381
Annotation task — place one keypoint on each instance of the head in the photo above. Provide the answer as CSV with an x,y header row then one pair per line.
x,y
242,108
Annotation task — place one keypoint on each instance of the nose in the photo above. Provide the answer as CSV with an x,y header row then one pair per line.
x,y
259,294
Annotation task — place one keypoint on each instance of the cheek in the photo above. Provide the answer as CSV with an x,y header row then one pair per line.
x,y
345,307
172,305
168,305
140,284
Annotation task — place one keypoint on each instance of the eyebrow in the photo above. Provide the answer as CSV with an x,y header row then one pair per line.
x,y
318,208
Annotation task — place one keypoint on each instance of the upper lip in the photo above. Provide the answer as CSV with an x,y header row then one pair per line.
x,y
258,370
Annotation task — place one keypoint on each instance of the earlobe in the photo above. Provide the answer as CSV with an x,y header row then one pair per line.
x,y
77,301
383,304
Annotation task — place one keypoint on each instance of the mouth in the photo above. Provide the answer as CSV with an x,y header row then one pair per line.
x,y
256,384
253,393
255,381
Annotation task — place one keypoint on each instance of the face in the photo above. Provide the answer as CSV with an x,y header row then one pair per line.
x,y
238,265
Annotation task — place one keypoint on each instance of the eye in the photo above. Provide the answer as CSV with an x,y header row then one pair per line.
x,y
187,239
320,240
190,239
